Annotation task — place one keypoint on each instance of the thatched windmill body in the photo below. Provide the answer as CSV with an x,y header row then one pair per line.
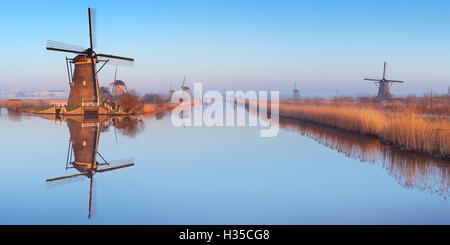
x,y
83,145
383,85
84,86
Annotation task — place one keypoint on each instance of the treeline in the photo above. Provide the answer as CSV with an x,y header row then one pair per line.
x,y
132,102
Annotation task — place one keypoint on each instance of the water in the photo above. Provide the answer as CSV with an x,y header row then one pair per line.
x,y
219,175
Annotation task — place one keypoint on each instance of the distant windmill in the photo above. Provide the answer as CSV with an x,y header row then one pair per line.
x,y
83,144
185,88
383,85
118,86
296,92
171,92
84,87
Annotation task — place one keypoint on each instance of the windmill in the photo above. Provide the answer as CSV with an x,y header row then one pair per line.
x,y
118,86
83,145
185,88
171,92
383,85
84,87
296,92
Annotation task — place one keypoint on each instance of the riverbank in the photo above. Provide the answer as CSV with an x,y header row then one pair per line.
x,y
47,106
407,130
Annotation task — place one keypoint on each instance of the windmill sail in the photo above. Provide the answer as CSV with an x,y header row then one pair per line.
x,y
64,47
92,13
63,180
103,170
92,209
116,60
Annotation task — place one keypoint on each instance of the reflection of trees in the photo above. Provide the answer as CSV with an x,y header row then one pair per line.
x,y
411,170
15,116
129,126
159,115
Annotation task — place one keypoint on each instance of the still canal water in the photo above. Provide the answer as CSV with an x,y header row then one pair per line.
x,y
219,175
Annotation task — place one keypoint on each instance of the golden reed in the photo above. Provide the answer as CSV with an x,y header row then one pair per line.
x,y
410,131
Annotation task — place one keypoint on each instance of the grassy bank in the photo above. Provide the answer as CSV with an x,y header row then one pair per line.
x,y
408,130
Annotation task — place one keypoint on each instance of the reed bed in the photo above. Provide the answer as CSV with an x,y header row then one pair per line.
x,y
407,130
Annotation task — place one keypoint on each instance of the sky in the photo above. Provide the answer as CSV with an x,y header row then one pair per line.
x,y
325,47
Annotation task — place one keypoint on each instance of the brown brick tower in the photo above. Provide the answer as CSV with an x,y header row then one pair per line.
x,y
84,89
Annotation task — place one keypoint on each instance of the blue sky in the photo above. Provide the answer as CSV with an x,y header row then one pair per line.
x,y
325,47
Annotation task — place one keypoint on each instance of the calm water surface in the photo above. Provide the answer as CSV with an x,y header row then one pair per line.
x,y
306,175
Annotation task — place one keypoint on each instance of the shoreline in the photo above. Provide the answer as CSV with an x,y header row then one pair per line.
x,y
387,143
404,131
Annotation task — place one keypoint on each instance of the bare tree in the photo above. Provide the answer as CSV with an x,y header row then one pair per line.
x,y
130,102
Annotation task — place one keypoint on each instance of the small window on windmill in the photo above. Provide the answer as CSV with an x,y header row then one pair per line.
x,y
84,143
84,83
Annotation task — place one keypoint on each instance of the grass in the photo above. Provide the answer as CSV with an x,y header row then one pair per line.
x,y
33,107
406,129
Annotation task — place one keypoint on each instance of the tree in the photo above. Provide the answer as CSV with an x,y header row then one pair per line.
x,y
130,102
156,99
105,94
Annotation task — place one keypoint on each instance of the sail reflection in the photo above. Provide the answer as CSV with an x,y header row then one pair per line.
x,y
411,170
83,151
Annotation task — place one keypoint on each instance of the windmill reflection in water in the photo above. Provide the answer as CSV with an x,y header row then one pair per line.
x,y
83,146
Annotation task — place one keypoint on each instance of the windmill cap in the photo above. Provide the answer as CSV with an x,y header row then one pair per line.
x,y
119,82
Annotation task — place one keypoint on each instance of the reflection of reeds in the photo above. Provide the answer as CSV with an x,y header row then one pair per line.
x,y
411,170
15,116
129,126
407,130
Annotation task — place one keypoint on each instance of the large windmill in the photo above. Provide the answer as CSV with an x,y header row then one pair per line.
x,y
84,87
83,144
383,85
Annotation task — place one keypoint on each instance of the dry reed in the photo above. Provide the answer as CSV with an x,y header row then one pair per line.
x,y
405,129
